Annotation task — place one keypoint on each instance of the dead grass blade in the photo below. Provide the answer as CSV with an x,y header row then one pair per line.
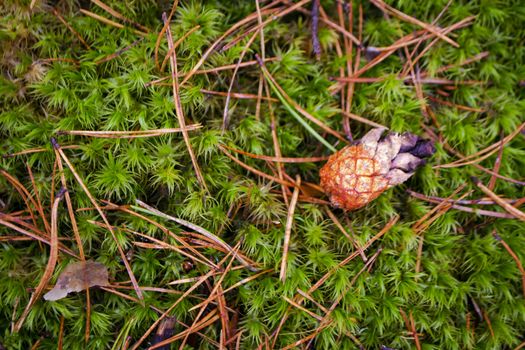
x,y
288,229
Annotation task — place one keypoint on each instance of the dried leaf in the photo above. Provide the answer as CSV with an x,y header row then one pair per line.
x,y
77,277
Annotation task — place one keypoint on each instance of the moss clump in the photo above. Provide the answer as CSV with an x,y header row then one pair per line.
x,y
52,82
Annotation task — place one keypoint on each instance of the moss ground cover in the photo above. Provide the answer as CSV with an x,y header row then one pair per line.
x,y
224,135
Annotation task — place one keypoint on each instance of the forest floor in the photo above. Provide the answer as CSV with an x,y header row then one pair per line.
x,y
159,174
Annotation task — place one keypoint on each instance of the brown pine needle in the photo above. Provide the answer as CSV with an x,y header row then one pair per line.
x,y
343,231
177,43
502,203
277,159
288,228
432,29
514,256
241,96
108,21
210,71
104,218
163,31
118,15
129,134
226,34
298,108
198,229
118,52
70,28
51,262
178,106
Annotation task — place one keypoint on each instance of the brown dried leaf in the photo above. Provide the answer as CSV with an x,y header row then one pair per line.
x,y
77,277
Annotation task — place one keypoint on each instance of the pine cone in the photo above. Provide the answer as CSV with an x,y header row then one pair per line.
x,y
359,173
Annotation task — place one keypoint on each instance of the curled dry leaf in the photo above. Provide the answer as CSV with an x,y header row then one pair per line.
x,y
77,277
359,173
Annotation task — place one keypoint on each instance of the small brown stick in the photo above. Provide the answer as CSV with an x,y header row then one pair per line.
x,y
514,256
178,106
502,203
71,29
61,333
288,228
128,134
298,306
432,29
414,332
489,324
78,240
275,141
481,201
36,150
116,14
39,207
51,262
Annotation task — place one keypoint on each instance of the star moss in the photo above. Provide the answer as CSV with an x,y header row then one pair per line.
x,y
463,292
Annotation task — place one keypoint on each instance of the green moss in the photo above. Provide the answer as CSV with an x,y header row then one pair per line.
x,y
463,268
